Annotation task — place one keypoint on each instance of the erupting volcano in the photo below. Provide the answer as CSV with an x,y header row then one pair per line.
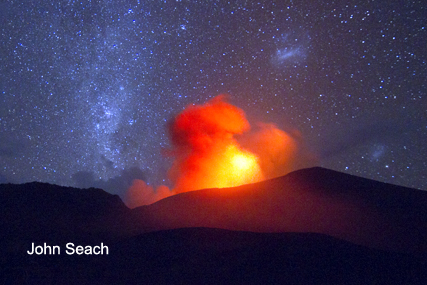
x,y
209,152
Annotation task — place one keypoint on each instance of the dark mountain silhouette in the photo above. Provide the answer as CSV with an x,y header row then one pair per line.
x,y
310,226
39,210
317,200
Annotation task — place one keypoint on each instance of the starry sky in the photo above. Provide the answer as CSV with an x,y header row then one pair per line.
x,y
88,87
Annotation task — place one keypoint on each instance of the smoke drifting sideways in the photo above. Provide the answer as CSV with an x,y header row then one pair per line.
x,y
213,147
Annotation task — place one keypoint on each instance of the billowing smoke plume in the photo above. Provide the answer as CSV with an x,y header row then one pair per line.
x,y
209,152
206,152
276,149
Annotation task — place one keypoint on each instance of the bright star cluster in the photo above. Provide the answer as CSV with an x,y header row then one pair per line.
x,y
88,87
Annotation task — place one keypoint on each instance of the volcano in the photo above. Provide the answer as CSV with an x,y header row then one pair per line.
x,y
311,226
317,200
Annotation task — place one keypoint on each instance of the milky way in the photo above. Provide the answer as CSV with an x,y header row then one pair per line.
x,y
88,87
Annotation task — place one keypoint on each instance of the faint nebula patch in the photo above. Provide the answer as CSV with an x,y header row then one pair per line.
x,y
377,152
291,49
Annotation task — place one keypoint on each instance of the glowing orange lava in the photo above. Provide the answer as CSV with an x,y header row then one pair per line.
x,y
237,167
208,154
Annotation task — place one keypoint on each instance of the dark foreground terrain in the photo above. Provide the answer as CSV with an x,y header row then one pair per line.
x,y
214,256
313,226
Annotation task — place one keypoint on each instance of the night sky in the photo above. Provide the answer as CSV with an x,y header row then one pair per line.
x,y
88,87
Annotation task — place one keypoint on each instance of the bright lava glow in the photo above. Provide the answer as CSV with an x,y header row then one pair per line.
x,y
242,162
238,167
